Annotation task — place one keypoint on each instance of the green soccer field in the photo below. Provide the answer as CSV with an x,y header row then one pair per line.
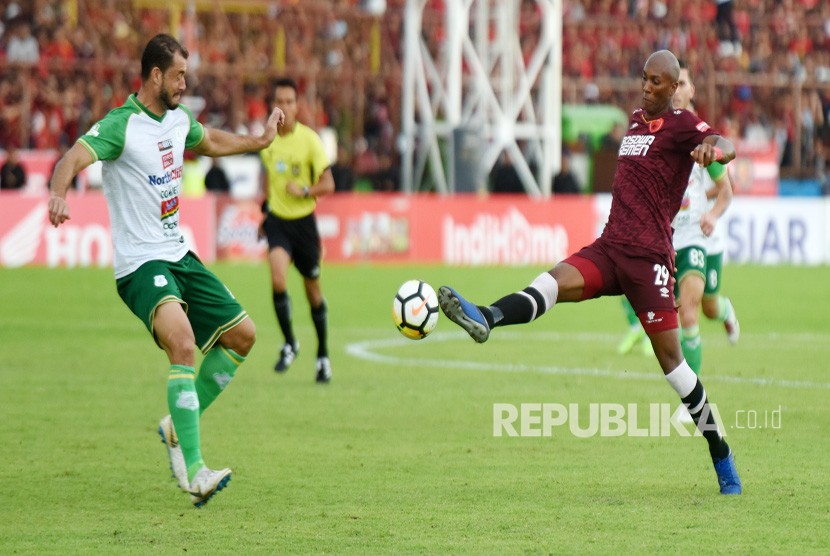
x,y
398,453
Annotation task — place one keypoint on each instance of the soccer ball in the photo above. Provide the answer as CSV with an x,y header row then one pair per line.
x,y
415,309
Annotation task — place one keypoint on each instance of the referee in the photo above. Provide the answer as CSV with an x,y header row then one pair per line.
x,y
298,172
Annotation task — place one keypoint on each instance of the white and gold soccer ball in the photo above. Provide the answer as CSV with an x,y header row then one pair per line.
x,y
415,309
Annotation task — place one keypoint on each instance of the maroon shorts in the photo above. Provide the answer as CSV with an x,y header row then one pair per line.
x,y
643,276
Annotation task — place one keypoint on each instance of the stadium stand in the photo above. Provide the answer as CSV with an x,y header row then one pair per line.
x,y
57,76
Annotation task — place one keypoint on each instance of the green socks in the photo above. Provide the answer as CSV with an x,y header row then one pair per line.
x,y
184,409
692,347
218,368
189,396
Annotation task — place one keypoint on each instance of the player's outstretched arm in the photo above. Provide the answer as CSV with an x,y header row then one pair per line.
x,y
723,197
222,143
714,148
76,159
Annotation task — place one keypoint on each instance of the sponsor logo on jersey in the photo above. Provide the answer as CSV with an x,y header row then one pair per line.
x,y
167,177
169,207
702,126
93,131
281,166
635,145
165,144
167,160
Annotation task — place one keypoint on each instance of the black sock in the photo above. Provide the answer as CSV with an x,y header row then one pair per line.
x,y
320,317
703,417
282,306
516,308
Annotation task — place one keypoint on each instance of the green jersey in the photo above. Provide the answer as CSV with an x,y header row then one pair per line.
x,y
143,156
686,223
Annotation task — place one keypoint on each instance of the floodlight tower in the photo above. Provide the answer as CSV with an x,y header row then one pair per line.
x,y
479,94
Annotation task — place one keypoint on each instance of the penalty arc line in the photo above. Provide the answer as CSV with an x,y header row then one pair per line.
x,y
366,350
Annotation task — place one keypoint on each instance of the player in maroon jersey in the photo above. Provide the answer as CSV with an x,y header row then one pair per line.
x,y
634,255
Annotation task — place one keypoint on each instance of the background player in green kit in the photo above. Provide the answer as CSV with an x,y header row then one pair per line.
x,y
159,278
693,225
699,245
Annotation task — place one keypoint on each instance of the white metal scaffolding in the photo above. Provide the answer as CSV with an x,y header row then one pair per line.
x,y
479,94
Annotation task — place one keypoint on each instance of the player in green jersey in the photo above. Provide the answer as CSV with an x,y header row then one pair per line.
x,y
182,304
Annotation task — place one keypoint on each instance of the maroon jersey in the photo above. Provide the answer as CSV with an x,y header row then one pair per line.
x,y
653,166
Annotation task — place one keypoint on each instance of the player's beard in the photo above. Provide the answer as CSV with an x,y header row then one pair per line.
x,y
167,99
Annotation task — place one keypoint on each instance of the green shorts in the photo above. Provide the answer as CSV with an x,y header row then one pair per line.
x,y
211,308
689,261
714,267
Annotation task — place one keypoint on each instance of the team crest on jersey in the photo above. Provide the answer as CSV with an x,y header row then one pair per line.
x,y
167,160
655,125
295,169
165,144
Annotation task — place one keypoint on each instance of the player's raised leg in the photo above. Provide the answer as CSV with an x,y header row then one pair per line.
x,y
563,283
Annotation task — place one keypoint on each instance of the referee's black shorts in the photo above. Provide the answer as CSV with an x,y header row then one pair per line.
x,y
299,238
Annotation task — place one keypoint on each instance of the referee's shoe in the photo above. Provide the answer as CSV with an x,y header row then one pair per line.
x,y
323,366
288,354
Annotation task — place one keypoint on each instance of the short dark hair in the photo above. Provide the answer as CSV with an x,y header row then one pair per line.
x,y
683,65
285,82
159,53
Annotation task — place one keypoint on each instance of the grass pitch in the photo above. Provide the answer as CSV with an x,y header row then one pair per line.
x,y
397,454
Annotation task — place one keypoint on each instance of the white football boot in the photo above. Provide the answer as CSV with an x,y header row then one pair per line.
x,y
174,451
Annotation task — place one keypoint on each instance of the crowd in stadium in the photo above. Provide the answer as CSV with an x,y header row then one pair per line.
x,y
59,76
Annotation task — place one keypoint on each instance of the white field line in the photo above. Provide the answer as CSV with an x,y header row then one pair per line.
x,y
369,350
